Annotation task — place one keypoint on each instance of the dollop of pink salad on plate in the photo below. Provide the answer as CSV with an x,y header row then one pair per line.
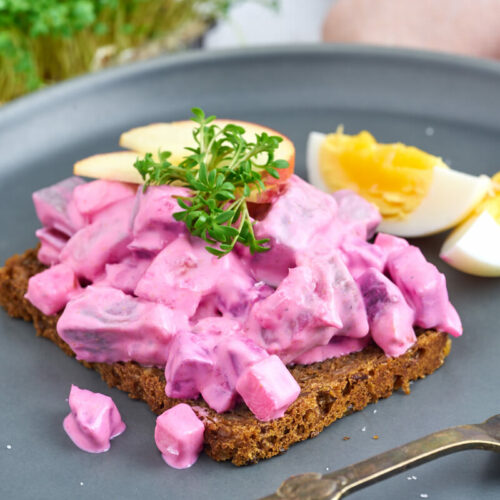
x,y
133,284
179,436
94,420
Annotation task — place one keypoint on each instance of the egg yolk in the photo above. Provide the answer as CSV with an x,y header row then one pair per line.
x,y
395,177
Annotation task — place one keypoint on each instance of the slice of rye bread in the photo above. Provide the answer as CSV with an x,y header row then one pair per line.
x,y
329,390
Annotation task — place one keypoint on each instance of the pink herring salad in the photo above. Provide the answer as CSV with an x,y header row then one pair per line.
x,y
94,420
268,388
51,290
179,436
225,328
389,316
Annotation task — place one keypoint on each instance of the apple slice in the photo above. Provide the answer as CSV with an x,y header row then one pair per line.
x,y
118,166
267,196
176,136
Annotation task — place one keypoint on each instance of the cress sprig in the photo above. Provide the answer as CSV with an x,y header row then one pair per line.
x,y
221,172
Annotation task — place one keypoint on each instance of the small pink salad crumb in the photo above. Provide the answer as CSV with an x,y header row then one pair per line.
x,y
94,420
268,388
51,289
179,436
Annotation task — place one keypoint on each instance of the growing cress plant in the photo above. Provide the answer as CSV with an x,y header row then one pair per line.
x,y
42,41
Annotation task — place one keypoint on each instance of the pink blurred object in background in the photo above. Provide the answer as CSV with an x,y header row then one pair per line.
x,y
467,27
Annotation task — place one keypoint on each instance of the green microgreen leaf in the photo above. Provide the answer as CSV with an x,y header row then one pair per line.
x,y
220,171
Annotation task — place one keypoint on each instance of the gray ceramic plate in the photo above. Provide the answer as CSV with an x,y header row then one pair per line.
x,y
448,106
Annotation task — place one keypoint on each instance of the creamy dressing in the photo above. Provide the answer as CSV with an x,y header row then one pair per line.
x,y
93,421
424,288
179,436
389,316
135,285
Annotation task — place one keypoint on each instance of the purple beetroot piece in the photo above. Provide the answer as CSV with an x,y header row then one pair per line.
x,y
154,226
209,362
389,316
424,288
268,388
55,208
294,218
105,325
179,436
359,256
125,274
390,244
51,289
102,242
359,217
93,197
300,314
51,244
94,420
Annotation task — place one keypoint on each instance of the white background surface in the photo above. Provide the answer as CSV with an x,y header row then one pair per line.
x,y
252,24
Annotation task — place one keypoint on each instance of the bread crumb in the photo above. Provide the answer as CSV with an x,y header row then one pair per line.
x,y
374,411
363,429
9,447
375,437
414,477
429,131
327,469
346,438
424,495
81,483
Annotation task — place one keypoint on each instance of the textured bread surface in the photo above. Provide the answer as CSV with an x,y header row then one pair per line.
x,y
329,390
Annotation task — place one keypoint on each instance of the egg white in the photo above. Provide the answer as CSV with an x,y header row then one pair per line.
x,y
474,247
451,197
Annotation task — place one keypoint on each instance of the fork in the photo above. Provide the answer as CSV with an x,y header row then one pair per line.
x,y
335,485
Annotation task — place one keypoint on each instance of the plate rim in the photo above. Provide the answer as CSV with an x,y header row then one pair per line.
x,y
21,108
22,105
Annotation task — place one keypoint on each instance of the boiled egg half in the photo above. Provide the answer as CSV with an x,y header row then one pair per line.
x,y
474,246
416,193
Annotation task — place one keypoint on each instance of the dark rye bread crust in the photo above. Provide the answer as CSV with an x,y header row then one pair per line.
x,y
329,390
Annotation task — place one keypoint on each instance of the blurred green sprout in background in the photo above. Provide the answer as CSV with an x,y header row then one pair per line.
x,y
45,41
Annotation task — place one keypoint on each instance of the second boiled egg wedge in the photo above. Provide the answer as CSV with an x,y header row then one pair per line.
x,y
474,246
416,193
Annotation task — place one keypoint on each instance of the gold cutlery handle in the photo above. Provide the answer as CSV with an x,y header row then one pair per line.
x,y
332,486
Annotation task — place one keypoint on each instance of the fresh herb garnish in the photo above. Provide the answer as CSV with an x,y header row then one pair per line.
x,y
221,172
